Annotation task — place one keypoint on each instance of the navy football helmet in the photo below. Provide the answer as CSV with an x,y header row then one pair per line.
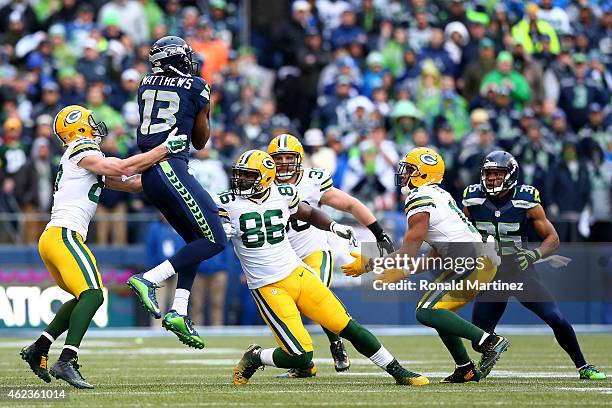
x,y
499,161
172,55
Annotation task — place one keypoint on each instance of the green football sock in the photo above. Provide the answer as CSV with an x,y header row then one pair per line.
x,y
456,347
283,359
449,323
364,341
333,337
60,322
89,302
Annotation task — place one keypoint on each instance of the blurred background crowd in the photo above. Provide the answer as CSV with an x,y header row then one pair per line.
x,y
360,82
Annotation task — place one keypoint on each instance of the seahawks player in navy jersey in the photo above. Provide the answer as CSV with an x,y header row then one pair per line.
x,y
174,97
501,207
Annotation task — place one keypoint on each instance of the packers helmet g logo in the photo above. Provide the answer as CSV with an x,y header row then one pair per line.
x,y
73,117
268,163
429,159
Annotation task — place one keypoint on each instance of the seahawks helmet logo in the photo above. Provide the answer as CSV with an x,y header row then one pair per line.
x,y
268,163
73,117
429,159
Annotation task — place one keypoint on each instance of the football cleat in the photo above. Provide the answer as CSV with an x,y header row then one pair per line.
x,y
69,372
182,326
341,359
37,362
248,364
405,377
145,291
491,350
463,374
483,373
589,372
305,372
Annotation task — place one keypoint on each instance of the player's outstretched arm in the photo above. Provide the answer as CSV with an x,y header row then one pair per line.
x,y
342,201
418,225
112,166
201,129
131,184
322,221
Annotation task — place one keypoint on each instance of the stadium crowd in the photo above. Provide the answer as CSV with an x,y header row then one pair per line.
x,y
360,82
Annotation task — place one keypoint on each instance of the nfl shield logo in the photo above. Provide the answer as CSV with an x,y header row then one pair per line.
x,y
497,214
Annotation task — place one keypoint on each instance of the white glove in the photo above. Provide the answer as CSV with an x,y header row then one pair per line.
x,y
175,143
229,229
344,231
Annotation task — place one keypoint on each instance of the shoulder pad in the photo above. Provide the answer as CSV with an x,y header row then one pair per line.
x,y
320,177
473,195
525,196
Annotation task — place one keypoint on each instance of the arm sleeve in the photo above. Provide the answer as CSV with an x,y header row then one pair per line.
x,y
419,203
84,149
293,205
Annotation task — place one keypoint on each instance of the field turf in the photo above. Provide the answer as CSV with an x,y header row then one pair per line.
x,y
161,372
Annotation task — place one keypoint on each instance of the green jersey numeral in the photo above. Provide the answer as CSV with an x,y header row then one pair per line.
x,y
96,190
274,232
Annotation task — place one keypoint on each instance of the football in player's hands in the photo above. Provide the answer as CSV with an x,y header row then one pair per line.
x,y
175,143
344,231
385,244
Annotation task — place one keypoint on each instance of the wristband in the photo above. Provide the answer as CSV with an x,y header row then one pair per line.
x,y
376,229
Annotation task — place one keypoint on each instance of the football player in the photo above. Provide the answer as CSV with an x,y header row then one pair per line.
x,y
433,217
83,173
315,187
283,287
500,207
175,96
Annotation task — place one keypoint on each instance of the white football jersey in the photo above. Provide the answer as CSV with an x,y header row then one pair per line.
x,y
447,223
304,238
76,190
261,241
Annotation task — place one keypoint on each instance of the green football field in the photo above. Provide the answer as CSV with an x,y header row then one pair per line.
x,y
160,372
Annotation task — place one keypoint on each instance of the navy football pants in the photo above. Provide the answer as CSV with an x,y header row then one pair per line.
x,y
191,212
536,298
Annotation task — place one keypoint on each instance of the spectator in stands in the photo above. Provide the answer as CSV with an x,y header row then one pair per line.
x,y
311,59
133,19
103,112
371,171
449,149
472,157
19,10
290,34
597,131
560,132
214,51
91,65
525,65
348,31
172,17
531,29
570,191
437,53
578,92
126,91
506,76
318,154
553,15
34,189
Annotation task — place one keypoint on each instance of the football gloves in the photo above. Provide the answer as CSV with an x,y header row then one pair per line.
x,y
385,244
524,258
391,276
359,266
344,231
175,143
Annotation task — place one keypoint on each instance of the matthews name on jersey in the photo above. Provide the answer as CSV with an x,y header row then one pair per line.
x,y
166,102
76,190
261,243
304,238
447,224
503,218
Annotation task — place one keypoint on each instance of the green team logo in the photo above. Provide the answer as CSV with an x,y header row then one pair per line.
x,y
268,163
73,117
429,159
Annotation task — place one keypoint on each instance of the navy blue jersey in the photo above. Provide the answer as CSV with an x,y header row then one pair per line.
x,y
505,218
165,102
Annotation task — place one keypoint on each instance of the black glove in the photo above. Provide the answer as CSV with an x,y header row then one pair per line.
x,y
385,244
